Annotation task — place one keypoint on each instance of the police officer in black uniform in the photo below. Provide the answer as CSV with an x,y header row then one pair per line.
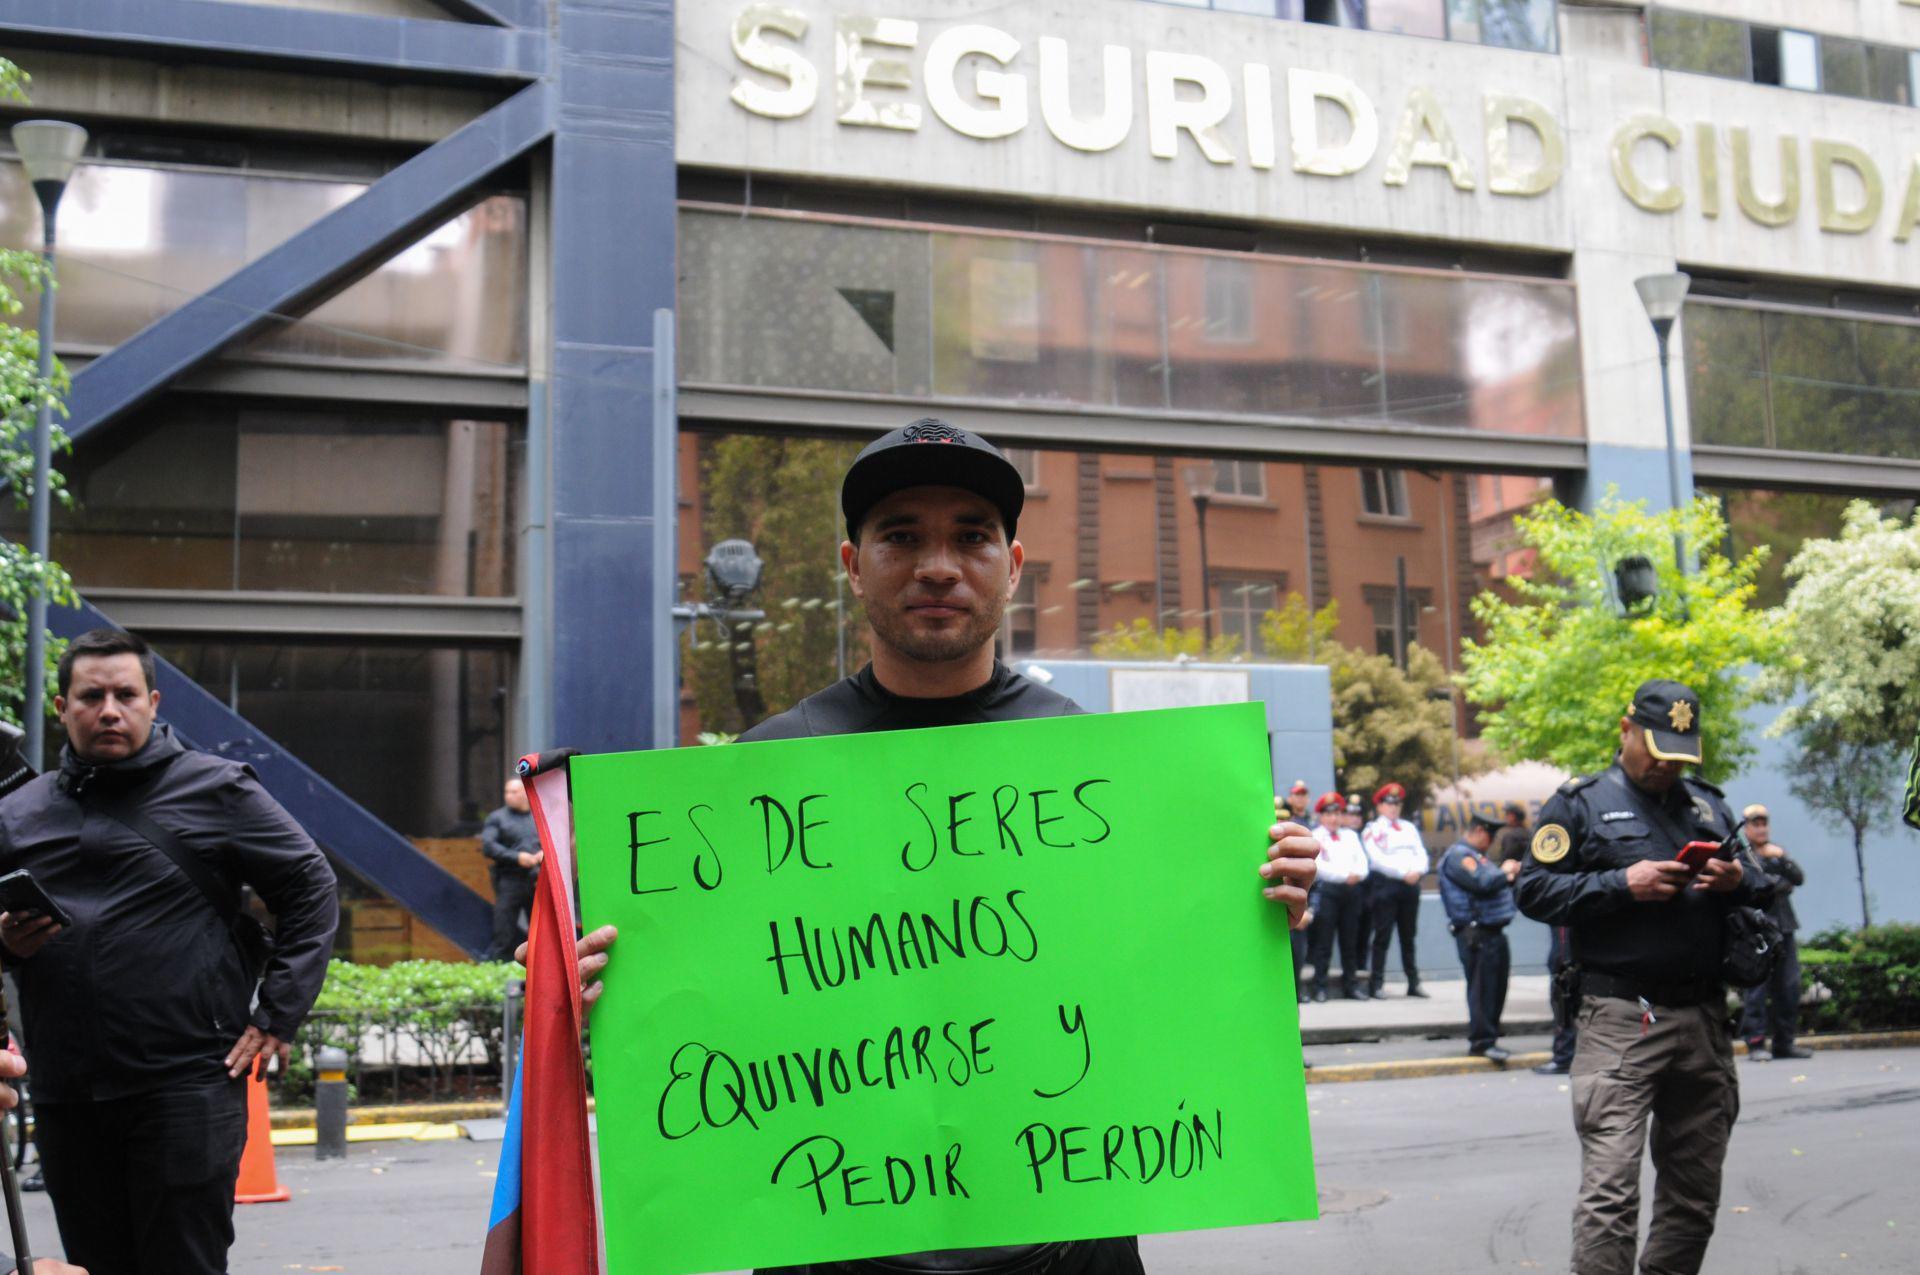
x,y
1646,933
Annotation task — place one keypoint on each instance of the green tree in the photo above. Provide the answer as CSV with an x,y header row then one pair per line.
x,y
21,392
782,494
1297,634
1558,664
1141,641
1391,723
1852,622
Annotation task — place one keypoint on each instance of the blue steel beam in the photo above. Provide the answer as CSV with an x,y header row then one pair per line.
x,y
320,260
338,823
252,34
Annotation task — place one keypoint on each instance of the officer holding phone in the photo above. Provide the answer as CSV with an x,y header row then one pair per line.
x,y
1646,931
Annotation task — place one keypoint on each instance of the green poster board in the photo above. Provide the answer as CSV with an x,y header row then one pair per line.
x,y
979,985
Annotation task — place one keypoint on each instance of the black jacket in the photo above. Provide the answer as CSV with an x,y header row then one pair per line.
x,y
506,835
148,987
858,704
1590,832
1786,876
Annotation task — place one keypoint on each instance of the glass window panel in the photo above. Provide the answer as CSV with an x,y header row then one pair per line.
x,y
1239,606
1726,375
1783,521
138,242
811,304
219,499
1913,78
1407,17
1383,493
416,734
1112,541
1027,461
1764,45
1507,24
457,296
1696,42
1240,478
1888,75
1799,60
1843,66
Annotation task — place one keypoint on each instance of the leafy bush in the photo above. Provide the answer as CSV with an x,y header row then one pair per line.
x,y
1861,980
439,1008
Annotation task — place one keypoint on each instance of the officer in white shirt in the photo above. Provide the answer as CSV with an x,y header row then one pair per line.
x,y
1342,867
1397,859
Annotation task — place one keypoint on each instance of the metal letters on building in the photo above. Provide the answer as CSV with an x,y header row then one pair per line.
x,y
980,82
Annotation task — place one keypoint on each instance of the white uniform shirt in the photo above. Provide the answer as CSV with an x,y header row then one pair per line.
x,y
1394,848
1341,855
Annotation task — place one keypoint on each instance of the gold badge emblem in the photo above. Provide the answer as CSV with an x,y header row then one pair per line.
x,y
1681,715
1551,843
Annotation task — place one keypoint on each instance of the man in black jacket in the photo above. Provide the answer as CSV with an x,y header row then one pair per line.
x,y
930,551
1770,1013
513,855
143,1019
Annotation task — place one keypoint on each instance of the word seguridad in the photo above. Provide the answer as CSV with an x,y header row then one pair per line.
x,y
983,82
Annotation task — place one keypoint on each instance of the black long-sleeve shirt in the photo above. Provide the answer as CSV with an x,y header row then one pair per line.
x,y
506,835
148,988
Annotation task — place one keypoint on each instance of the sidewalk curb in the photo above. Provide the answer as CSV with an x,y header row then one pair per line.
x,y
1431,1031
1466,1065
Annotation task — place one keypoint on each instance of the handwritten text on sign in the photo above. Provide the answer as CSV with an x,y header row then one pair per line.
x,y
972,986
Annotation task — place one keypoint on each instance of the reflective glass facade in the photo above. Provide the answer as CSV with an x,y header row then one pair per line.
x,y
137,242
1112,541
416,734
203,497
818,303
1799,380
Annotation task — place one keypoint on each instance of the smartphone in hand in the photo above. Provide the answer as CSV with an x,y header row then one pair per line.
x,y
22,897
1696,853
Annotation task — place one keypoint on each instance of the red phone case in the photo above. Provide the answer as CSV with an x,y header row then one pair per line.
x,y
1696,853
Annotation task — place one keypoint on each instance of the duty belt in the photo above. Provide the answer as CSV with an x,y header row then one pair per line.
x,y
1593,983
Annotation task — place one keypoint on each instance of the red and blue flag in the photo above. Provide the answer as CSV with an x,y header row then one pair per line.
x,y
543,1220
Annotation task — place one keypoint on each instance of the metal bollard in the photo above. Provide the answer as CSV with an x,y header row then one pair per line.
x,y
330,1104
510,1037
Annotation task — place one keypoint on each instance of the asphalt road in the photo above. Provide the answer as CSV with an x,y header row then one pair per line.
x,y
1439,1175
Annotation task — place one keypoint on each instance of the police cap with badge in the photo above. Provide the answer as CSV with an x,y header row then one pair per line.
x,y
1667,714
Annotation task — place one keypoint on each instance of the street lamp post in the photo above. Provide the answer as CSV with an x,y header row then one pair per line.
x,y
48,149
1662,295
1200,485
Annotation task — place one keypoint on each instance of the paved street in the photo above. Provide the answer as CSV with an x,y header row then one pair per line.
x,y
1451,1174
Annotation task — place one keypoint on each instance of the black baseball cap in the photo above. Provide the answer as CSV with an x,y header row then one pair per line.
x,y
1488,822
1670,714
930,453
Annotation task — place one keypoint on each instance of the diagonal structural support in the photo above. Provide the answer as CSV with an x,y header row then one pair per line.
x,y
359,44
530,14
326,256
339,824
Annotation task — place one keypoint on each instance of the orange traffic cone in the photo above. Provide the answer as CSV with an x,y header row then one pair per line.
x,y
258,1183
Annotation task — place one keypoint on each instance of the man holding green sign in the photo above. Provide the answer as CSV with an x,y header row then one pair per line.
x,y
918,1026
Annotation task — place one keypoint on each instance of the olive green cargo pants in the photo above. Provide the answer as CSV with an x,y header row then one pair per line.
x,y
1676,1073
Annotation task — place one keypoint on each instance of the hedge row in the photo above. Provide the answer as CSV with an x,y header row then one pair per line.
x,y
1861,980
436,1012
